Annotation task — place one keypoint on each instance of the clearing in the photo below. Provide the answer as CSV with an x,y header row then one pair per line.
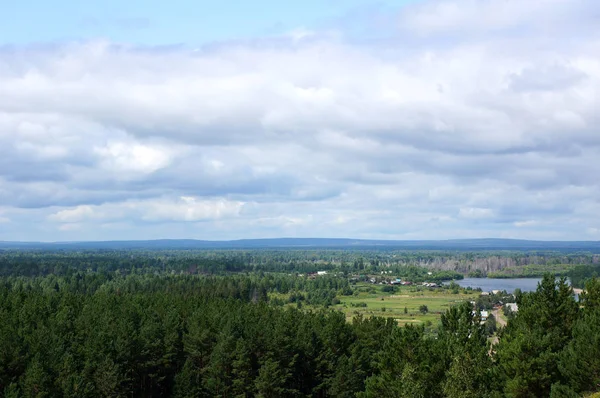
x,y
406,298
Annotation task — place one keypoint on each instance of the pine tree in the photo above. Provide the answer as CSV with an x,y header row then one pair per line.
x,y
580,361
36,382
271,381
530,345
242,371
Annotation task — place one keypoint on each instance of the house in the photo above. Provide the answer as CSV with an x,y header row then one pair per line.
x,y
496,291
485,293
484,315
321,273
512,306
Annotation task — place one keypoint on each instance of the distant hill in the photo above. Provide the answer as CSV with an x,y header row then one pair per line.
x,y
316,243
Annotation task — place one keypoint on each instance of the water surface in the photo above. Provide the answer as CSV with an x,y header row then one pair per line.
x,y
489,284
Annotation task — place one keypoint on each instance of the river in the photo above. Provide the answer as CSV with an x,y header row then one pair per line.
x,y
489,284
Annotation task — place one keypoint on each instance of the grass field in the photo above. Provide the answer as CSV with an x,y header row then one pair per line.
x,y
410,297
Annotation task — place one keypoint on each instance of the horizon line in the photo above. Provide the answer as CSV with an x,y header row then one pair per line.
x,y
298,238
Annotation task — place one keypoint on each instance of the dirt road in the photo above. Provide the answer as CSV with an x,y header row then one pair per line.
x,y
500,320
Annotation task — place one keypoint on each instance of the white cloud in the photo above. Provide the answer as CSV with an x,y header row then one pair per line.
x,y
191,209
528,223
475,213
132,157
184,209
474,115
285,221
74,215
70,227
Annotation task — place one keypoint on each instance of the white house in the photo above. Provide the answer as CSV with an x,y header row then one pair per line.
x,y
484,315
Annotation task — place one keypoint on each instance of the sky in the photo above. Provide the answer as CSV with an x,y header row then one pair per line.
x,y
422,119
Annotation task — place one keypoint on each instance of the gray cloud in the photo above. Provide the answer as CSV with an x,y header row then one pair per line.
x,y
468,119
548,78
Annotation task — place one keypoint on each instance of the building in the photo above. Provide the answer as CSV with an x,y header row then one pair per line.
x,y
512,306
484,316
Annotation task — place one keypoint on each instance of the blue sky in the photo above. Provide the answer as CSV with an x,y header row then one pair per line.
x,y
429,119
153,22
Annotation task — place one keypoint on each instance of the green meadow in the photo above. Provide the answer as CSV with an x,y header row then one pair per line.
x,y
404,304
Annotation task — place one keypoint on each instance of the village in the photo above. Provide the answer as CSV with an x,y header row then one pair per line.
x,y
409,301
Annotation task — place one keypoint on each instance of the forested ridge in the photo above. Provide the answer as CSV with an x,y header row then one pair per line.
x,y
150,332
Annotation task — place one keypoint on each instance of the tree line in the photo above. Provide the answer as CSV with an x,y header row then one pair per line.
x,y
403,263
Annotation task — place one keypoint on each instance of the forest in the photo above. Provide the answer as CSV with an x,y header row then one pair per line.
x,y
150,325
36,262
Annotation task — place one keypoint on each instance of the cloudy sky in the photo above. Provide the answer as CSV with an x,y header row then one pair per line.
x,y
427,119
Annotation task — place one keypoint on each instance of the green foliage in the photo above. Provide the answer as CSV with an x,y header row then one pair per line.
x,y
580,360
590,297
477,274
389,289
109,324
490,325
530,345
561,391
490,301
408,366
412,265
580,274
272,380
465,340
145,335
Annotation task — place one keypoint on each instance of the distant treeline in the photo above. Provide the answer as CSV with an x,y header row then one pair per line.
x,y
65,262
146,335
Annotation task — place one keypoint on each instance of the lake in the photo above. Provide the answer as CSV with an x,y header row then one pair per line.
x,y
489,284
